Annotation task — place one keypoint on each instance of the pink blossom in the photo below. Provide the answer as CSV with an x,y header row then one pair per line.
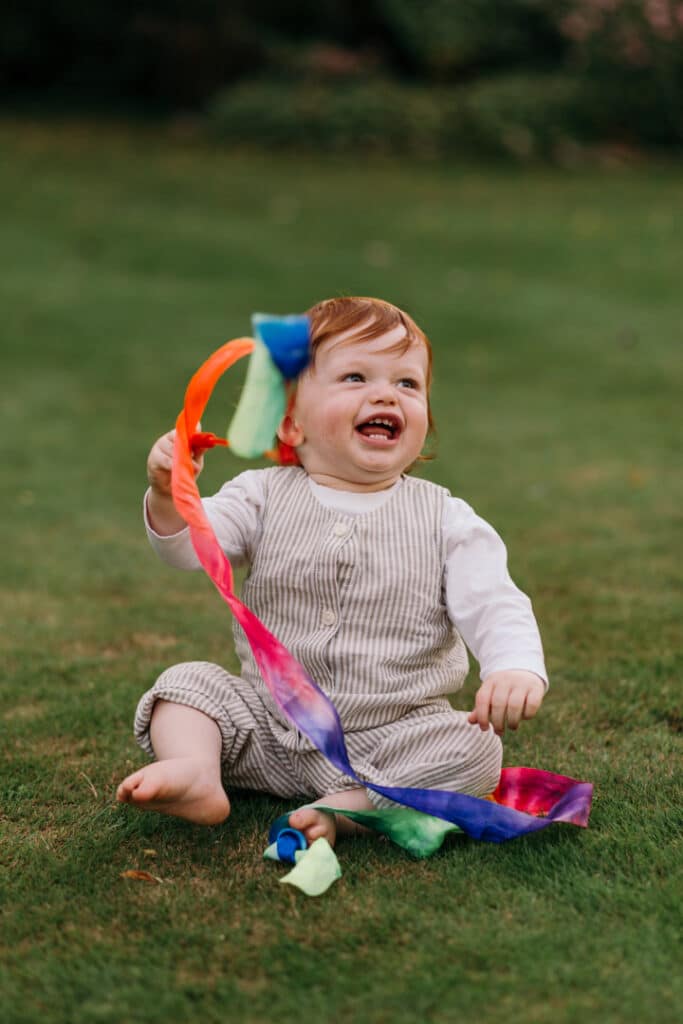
x,y
659,15
575,27
579,25
633,48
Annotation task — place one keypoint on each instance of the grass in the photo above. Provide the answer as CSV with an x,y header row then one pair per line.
x,y
553,302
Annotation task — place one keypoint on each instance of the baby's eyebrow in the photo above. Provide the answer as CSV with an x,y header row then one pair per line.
x,y
410,371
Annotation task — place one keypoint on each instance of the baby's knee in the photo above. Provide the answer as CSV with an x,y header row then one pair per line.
x,y
191,684
188,675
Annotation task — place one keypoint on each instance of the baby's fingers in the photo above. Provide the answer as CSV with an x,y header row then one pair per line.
x,y
479,715
516,708
534,699
198,462
499,711
162,449
160,462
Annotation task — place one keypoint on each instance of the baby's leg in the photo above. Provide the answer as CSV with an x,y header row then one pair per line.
x,y
316,824
185,780
205,726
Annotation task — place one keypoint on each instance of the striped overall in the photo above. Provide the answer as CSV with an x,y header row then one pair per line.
x,y
358,600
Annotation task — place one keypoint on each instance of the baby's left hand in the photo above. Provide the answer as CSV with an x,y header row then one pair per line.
x,y
505,698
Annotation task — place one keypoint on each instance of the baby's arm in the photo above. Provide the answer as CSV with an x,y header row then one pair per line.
x,y
161,512
495,619
235,512
506,698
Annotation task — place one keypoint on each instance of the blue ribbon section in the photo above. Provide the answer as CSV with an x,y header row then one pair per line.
x,y
287,340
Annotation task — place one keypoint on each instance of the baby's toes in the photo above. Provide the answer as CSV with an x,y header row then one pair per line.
x,y
303,819
314,824
126,788
316,831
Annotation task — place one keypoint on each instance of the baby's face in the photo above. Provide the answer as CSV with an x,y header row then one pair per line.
x,y
360,416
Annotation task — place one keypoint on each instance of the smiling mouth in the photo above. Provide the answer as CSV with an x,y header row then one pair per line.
x,y
385,428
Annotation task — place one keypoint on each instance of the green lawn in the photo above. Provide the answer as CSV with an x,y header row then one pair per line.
x,y
553,302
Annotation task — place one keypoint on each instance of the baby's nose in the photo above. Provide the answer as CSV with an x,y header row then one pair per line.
x,y
384,394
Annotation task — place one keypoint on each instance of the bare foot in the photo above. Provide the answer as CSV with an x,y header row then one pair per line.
x,y
315,824
186,787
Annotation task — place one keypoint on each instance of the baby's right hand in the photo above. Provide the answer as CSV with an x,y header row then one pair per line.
x,y
160,464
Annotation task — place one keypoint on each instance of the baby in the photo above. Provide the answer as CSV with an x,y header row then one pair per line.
x,y
373,579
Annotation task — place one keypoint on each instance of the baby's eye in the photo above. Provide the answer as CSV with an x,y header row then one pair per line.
x,y
353,378
407,382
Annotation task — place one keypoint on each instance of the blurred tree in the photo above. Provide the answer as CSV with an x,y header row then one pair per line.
x,y
182,51
629,56
174,52
447,41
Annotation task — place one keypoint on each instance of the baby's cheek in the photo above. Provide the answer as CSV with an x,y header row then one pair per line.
x,y
331,428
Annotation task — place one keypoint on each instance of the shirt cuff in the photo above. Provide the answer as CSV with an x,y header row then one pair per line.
x,y
175,549
151,532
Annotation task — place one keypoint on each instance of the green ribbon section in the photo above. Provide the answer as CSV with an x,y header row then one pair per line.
x,y
260,408
420,834
315,870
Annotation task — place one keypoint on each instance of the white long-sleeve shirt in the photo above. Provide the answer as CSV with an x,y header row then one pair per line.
x,y
493,616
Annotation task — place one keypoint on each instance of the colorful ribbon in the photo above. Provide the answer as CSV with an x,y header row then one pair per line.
x,y
523,795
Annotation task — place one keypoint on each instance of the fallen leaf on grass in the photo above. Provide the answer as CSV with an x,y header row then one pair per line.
x,y
141,876
150,853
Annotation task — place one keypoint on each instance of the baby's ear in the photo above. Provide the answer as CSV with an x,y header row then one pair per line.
x,y
289,431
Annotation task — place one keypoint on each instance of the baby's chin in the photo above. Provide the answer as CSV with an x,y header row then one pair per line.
x,y
360,481
370,472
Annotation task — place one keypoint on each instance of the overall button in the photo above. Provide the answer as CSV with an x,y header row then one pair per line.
x,y
340,529
328,617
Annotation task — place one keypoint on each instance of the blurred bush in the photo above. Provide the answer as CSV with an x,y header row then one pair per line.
x,y
525,116
377,115
523,79
520,78
522,117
